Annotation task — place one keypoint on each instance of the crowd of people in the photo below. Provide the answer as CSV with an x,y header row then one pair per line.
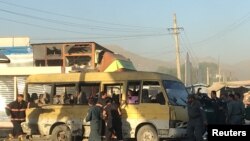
x,y
105,118
104,114
225,110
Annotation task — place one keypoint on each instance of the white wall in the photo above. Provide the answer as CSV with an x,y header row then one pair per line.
x,y
14,41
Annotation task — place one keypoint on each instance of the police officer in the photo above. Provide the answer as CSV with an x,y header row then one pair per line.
x,y
235,111
94,116
197,119
222,109
215,106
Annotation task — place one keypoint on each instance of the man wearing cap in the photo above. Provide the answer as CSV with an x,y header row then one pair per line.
x,y
16,111
197,119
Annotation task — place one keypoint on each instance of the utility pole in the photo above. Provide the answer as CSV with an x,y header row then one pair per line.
x,y
224,77
188,71
219,70
208,82
175,31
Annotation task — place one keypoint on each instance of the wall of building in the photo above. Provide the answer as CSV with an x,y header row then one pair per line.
x,y
14,41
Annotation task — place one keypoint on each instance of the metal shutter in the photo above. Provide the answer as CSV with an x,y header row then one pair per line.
x,y
21,84
6,94
7,88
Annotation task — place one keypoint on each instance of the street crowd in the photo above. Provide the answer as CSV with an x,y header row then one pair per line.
x,y
105,119
228,109
104,116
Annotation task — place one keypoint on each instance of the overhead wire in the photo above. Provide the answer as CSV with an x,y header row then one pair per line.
x,y
65,23
226,30
45,27
83,33
126,28
187,45
76,18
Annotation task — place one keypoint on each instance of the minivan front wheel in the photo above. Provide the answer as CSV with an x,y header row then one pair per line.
x,y
147,133
61,133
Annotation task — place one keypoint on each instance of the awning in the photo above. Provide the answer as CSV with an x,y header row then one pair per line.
x,y
230,84
216,87
4,59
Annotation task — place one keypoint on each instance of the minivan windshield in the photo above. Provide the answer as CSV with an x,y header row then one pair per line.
x,y
176,92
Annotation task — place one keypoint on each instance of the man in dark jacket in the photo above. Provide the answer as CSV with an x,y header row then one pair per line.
x,y
197,119
94,116
16,111
215,106
222,113
112,115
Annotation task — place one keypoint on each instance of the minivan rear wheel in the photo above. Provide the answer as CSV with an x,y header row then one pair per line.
x,y
61,133
147,133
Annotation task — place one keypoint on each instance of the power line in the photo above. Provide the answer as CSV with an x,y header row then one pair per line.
x,y
227,30
114,38
65,23
185,46
190,49
39,26
76,32
162,53
49,20
190,45
76,18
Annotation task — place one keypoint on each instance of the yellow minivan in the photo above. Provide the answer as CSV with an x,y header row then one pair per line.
x,y
153,105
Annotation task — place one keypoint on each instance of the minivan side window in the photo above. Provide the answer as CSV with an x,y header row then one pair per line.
x,y
151,93
88,90
75,94
65,94
133,92
39,94
114,91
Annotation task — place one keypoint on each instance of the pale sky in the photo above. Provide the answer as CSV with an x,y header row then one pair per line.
x,y
216,28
